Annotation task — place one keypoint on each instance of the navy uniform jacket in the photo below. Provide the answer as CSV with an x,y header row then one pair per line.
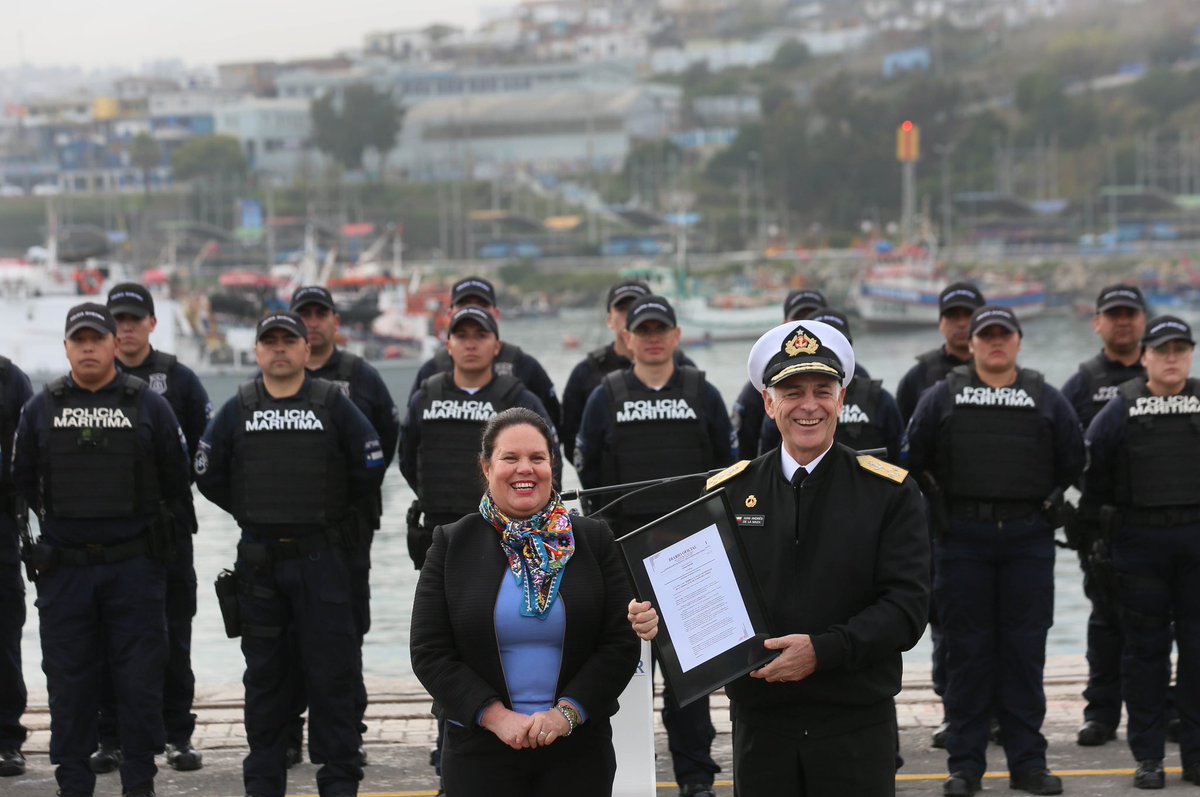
x,y
583,380
160,438
525,368
1087,406
749,420
921,439
597,425
917,381
188,400
410,437
371,396
17,391
358,441
847,564
184,392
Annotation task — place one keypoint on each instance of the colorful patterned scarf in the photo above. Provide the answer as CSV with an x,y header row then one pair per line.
x,y
538,550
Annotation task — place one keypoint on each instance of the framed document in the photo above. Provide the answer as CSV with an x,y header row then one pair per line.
x,y
712,621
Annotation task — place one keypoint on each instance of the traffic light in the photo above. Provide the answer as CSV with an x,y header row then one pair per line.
x,y
908,142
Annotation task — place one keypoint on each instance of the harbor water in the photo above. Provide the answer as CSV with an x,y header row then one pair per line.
x,y
1053,345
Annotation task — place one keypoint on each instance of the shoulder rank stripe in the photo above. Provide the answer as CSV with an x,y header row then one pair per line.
x,y
727,474
885,469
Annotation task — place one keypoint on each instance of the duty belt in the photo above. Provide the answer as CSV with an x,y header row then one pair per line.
x,y
991,511
1174,516
254,553
103,554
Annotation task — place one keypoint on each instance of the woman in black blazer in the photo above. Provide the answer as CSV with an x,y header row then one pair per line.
x,y
519,630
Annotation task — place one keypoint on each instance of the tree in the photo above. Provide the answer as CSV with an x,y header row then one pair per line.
x,y
364,119
146,154
792,54
217,156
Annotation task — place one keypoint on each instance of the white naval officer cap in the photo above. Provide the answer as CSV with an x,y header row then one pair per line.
x,y
800,347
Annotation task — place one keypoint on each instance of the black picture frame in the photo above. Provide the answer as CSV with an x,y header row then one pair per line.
x,y
745,656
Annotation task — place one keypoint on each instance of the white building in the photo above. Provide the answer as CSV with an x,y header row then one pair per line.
x,y
719,54
275,133
548,132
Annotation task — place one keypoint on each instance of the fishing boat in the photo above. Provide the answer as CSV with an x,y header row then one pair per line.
x,y
902,287
703,318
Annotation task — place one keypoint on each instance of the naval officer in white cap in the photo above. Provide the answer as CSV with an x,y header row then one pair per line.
x,y
839,546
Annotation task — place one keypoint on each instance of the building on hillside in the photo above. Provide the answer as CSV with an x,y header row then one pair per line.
x,y
275,133
560,132
903,62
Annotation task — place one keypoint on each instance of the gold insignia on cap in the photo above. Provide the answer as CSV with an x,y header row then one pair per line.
x,y
751,502
885,469
727,474
801,343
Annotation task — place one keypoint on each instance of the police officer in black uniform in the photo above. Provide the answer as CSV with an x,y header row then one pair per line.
x,y
132,307
359,380
838,546
439,439
591,370
652,420
298,466
511,361
956,303
748,417
869,417
102,459
15,390
1143,486
1001,445
1120,321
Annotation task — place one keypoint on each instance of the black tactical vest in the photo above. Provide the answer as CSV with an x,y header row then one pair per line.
x,y
155,371
451,430
95,467
858,424
1100,385
1162,443
344,374
934,366
656,433
288,468
999,450
501,366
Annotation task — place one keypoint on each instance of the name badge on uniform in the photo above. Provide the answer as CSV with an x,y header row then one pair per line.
x,y
757,521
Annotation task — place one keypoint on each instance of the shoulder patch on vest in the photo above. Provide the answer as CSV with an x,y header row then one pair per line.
x,y
727,474
885,469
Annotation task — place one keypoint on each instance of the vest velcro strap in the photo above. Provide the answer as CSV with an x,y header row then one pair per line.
x,y
1177,516
104,554
989,512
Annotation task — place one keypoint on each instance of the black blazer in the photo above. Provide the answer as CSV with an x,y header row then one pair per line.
x,y
453,634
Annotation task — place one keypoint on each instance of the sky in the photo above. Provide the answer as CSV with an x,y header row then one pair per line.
x,y
127,33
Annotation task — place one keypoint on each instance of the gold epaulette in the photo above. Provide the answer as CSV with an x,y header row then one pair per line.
x,y
885,469
727,474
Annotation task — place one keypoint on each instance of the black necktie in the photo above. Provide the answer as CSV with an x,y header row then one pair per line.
x,y
799,476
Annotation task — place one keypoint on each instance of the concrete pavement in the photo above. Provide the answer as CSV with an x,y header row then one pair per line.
x,y
401,733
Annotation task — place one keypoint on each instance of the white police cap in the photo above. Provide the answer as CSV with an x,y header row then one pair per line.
x,y
800,347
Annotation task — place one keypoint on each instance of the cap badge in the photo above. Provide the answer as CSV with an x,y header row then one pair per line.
x,y
751,502
801,343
